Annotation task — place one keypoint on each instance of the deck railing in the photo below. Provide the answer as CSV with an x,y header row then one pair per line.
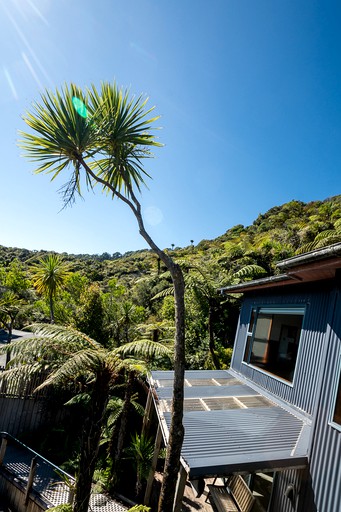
x,y
35,473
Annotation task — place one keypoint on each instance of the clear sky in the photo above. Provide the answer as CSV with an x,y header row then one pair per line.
x,y
250,97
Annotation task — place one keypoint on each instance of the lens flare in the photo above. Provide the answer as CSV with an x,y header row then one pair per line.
x,y
80,108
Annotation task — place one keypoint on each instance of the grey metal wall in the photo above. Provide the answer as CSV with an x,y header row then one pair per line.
x,y
325,458
302,392
300,480
312,390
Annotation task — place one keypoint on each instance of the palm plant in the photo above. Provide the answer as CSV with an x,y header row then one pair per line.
x,y
49,277
104,135
140,451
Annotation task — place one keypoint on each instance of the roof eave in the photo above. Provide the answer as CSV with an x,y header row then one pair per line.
x,y
266,282
308,257
256,464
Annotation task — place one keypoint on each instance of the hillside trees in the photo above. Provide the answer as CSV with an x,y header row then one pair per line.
x,y
14,296
104,135
90,315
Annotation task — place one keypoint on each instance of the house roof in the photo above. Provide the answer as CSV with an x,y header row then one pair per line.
x,y
231,426
318,265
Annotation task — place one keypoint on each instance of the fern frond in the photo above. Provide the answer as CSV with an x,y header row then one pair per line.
x,y
144,348
328,233
306,248
164,293
250,271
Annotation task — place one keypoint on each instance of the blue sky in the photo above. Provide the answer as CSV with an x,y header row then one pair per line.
x,y
250,105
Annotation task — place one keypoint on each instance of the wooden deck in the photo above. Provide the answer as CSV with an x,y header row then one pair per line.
x,y
190,503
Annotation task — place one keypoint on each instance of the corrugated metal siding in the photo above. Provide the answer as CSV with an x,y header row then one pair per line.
x,y
311,350
325,463
240,339
321,490
279,501
302,392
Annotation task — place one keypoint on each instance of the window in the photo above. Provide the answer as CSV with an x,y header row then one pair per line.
x,y
273,339
337,407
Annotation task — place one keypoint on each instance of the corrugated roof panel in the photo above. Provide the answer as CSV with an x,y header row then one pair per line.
x,y
227,382
242,430
208,391
221,403
255,401
194,404
201,382
238,437
193,374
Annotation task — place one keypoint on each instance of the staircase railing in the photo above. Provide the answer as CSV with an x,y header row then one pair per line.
x,y
35,473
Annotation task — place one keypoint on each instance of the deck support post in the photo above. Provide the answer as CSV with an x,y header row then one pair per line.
x,y
150,480
147,413
3,449
30,478
180,488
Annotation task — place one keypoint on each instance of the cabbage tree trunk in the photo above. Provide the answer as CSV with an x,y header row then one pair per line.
x,y
176,432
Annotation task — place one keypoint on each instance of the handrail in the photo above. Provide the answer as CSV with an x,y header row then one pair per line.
x,y
52,484
6,435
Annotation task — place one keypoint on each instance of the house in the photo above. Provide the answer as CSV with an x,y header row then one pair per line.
x,y
275,416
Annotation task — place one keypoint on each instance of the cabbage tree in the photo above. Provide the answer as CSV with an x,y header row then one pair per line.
x,y
49,277
102,137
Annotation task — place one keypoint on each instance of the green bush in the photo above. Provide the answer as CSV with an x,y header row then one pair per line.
x,y
139,508
65,507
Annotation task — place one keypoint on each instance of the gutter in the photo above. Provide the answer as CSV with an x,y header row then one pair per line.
x,y
318,254
257,282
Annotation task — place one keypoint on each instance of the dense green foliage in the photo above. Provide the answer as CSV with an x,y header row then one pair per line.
x,y
119,298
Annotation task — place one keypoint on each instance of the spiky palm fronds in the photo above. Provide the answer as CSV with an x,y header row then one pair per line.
x,y
140,451
104,132
49,274
60,135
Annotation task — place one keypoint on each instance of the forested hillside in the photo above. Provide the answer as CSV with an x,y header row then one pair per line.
x,y
119,298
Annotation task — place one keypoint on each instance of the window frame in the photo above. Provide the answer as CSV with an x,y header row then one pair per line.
x,y
335,388
298,309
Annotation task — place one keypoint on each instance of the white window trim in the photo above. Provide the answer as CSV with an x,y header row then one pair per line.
x,y
271,375
298,309
337,378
